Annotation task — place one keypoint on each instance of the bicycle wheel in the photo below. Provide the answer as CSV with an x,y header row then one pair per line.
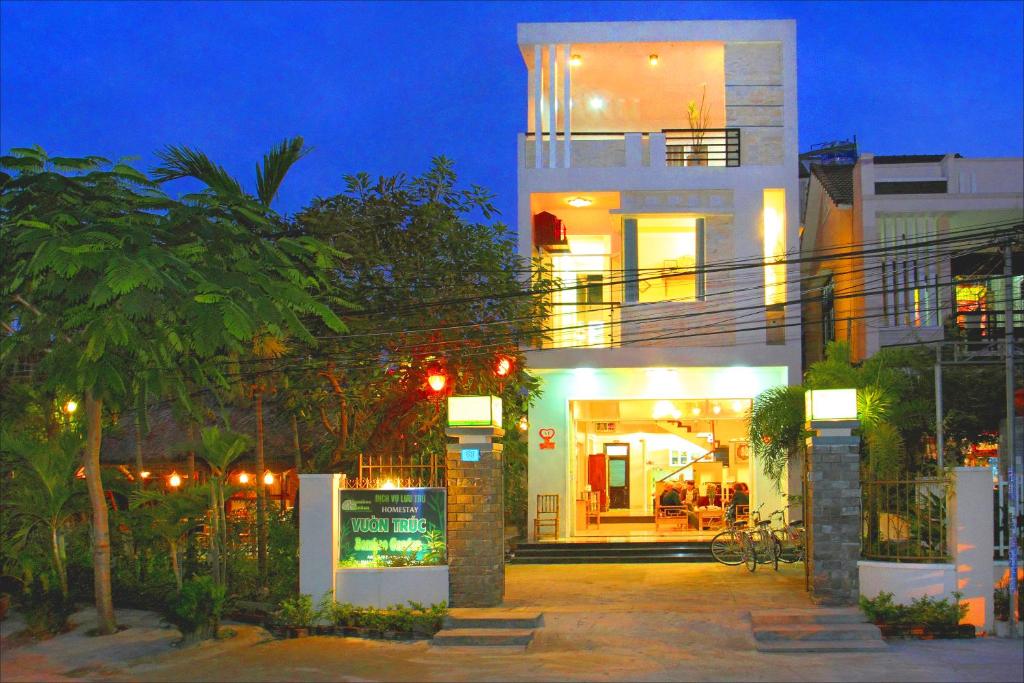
x,y
726,548
792,547
749,552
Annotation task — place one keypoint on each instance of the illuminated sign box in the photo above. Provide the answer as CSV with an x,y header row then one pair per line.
x,y
474,411
378,523
831,404
470,455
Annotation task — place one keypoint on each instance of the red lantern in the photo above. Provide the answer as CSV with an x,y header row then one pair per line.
x,y
503,366
437,381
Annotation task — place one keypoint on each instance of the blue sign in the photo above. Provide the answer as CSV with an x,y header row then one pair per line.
x,y
471,455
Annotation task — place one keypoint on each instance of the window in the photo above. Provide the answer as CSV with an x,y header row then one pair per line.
x,y
828,312
774,229
670,254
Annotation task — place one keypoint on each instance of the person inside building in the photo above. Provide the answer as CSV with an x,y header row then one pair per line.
x,y
741,496
690,493
670,497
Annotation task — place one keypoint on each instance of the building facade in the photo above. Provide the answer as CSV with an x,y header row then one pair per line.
x,y
657,180
930,227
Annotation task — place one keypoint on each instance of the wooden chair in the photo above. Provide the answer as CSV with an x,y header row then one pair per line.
x,y
670,514
593,513
743,514
547,514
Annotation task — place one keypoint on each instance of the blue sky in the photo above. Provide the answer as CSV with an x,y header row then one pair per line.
x,y
383,87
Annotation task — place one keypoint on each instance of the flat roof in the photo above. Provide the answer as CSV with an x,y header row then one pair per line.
x,y
655,31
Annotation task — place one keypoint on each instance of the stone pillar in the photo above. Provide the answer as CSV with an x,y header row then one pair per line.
x,y
971,544
319,533
833,491
476,522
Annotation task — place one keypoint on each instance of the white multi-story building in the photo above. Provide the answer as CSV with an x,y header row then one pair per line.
x,y
658,180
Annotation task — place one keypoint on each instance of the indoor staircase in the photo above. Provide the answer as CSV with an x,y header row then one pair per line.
x,y
478,627
823,629
607,553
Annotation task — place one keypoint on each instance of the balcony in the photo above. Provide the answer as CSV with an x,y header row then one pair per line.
x,y
583,325
718,147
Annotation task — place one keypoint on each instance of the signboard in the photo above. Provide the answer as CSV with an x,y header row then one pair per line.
x,y
391,522
470,454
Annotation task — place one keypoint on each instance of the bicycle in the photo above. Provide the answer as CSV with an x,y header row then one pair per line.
x,y
734,545
790,537
766,545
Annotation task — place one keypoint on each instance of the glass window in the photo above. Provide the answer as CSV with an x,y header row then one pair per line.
x,y
666,258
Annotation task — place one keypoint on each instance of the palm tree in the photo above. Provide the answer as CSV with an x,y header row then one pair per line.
x,y
219,448
183,162
49,496
170,516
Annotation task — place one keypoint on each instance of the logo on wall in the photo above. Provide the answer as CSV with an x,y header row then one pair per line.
x,y
548,434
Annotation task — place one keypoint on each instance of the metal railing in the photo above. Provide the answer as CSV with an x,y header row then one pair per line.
x,y
400,470
583,325
905,520
707,147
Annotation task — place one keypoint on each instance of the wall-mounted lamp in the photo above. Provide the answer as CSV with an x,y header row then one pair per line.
x,y
653,60
579,202
575,60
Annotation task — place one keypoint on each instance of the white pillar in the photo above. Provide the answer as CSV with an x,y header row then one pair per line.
x,y
552,98
567,107
319,533
538,98
970,542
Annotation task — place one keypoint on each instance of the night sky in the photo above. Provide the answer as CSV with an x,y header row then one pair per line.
x,y
383,87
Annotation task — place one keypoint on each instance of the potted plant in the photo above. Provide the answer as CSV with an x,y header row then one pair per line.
x,y
297,615
698,116
1001,606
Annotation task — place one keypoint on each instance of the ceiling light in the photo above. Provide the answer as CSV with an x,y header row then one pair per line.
x,y
575,60
716,409
653,59
696,410
579,202
596,103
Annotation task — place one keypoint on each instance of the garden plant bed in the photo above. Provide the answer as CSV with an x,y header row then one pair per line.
x,y
349,632
925,631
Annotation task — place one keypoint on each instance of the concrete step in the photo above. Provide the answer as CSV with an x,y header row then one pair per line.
x,y
491,618
495,637
821,646
820,632
823,615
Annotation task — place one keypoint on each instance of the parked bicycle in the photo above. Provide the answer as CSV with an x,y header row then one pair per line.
x,y
792,537
748,545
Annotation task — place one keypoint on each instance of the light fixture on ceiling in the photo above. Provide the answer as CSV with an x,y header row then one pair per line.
x,y
653,60
575,60
579,202
596,103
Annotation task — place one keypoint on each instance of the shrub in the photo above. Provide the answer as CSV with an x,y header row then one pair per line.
x,y
1001,603
45,608
925,610
297,612
197,609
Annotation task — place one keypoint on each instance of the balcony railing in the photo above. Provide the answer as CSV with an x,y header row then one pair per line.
x,y
707,147
587,326
674,147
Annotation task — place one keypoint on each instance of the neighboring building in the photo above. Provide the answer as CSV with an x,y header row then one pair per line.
x,y
674,312
909,210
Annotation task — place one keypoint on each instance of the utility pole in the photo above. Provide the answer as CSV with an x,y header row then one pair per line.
x,y
1011,455
940,436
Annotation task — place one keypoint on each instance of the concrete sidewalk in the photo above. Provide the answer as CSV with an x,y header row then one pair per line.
x,y
668,622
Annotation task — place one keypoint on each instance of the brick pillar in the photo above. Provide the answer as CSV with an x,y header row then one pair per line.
x,y
834,519
476,522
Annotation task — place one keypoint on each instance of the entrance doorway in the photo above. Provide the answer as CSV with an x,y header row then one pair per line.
x,y
617,455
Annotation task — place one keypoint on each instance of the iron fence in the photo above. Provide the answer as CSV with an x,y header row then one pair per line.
x,y
905,520
399,470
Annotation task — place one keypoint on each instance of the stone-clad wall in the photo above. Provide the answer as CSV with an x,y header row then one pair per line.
x,y
476,551
834,518
754,100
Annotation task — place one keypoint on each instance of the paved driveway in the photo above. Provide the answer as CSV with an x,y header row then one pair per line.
x,y
672,622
